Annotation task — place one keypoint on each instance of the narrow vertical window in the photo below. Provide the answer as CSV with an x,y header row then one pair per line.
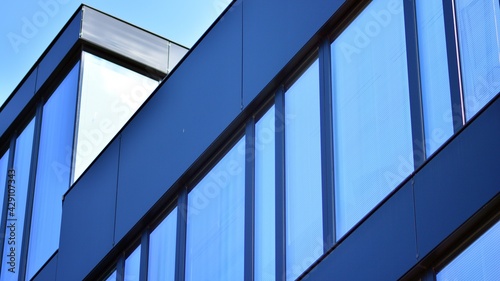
x,y
4,162
478,23
435,85
478,262
16,215
264,197
303,193
161,261
53,172
371,111
133,265
215,221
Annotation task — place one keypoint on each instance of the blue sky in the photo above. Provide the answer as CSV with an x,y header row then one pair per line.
x,y
28,26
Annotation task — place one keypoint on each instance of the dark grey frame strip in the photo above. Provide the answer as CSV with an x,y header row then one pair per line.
x,y
454,72
143,267
31,191
327,154
180,251
249,199
10,165
415,92
120,268
280,184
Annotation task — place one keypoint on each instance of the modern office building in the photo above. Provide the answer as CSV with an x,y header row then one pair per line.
x,y
311,140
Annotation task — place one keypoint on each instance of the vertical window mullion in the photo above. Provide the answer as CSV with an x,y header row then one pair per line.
x,y
280,184
416,111
325,80
143,268
120,268
249,200
458,110
180,256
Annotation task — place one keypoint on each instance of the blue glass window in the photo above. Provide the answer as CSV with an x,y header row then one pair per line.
x,y
371,112
53,171
162,241
304,223
265,191
478,262
112,276
215,221
4,161
133,265
438,121
478,24
16,216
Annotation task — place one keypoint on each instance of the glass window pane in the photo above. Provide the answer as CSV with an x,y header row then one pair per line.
x,y
371,111
438,122
53,171
110,95
478,262
304,223
478,24
264,197
133,265
15,216
215,221
162,241
4,162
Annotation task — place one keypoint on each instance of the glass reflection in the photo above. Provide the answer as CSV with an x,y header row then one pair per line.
x,y
4,162
371,111
162,241
478,24
304,224
438,122
53,171
16,216
478,262
215,221
110,95
264,197
133,265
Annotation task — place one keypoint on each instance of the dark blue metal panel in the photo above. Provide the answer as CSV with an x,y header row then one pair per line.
x,y
459,180
88,217
59,50
382,248
197,102
18,102
274,32
48,273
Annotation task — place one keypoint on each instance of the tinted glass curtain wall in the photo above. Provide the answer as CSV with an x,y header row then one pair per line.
x,y
53,171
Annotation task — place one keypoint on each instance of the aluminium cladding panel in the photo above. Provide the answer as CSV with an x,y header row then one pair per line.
x,y
59,50
274,32
18,102
382,248
125,39
88,217
187,113
48,273
459,180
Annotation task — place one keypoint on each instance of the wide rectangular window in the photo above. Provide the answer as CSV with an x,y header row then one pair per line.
x,y
162,241
16,215
480,261
133,265
478,23
435,82
371,112
264,257
215,221
53,171
303,189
